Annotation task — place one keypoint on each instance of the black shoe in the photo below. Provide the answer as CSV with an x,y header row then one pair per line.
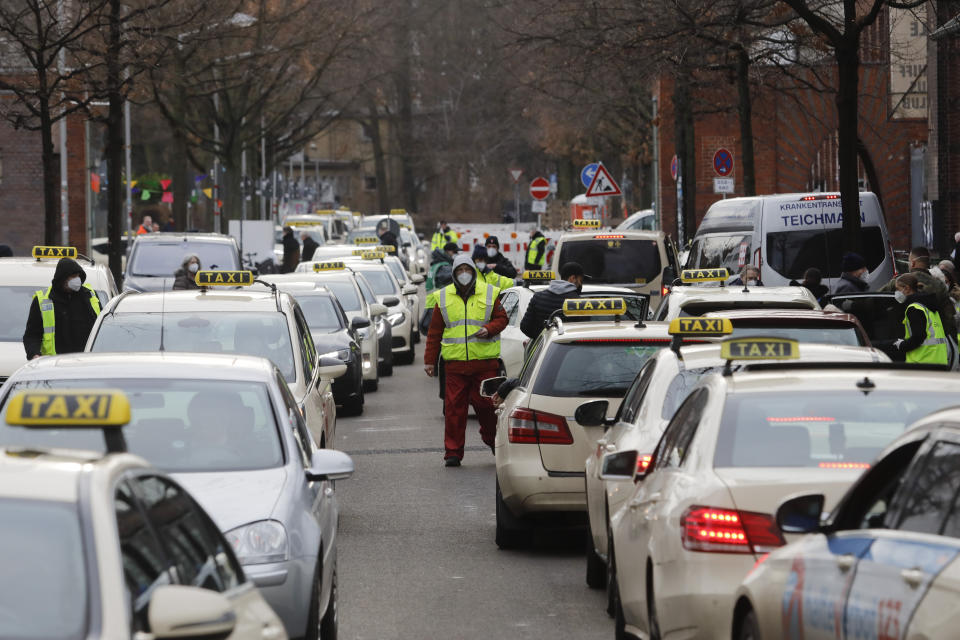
x,y
492,450
451,461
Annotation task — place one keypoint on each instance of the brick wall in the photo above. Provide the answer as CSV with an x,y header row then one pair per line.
x,y
947,132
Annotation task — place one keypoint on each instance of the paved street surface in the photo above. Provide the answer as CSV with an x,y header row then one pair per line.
x,y
417,557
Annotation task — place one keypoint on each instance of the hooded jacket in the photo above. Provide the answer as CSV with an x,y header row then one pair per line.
x,y
291,253
183,279
73,313
543,303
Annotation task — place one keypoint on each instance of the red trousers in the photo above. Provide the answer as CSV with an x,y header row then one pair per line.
x,y
463,387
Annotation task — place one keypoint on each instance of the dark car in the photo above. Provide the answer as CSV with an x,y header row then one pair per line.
x,y
155,258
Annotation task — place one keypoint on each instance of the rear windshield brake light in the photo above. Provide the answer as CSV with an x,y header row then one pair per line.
x,y
609,236
823,197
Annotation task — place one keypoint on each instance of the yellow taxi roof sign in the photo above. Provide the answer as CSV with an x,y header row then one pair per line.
x,y
700,327
331,265
539,276
69,408
325,212
594,307
224,278
386,248
366,240
53,252
704,275
759,349
583,223
373,255
360,252
398,212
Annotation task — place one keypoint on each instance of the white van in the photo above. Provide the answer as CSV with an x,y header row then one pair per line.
x,y
786,234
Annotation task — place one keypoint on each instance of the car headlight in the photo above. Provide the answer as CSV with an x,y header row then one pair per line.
x,y
343,354
259,542
395,319
381,328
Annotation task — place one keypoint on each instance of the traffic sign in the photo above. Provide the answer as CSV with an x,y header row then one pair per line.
x,y
723,163
603,184
587,174
723,185
538,206
540,188
674,167
515,174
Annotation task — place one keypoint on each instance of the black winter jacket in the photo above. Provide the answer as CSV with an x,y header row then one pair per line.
x,y
543,303
72,311
502,266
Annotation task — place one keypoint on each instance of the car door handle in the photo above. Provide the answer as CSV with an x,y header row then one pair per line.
x,y
912,577
846,561
610,447
602,442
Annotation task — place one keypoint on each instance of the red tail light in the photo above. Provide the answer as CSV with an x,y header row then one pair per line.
x,y
664,290
643,463
844,465
728,531
609,236
527,426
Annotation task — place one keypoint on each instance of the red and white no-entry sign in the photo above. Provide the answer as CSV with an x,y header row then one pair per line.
x,y
540,188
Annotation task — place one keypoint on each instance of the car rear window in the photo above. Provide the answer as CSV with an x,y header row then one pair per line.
x,y
714,251
593,368
162,259
790,253
835,333
346,293
320,313
381,282
827,429
614,260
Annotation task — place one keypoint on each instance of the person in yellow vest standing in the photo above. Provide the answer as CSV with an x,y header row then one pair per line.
x,y
62,315
536,252
465,330
487,274
442,236
924,339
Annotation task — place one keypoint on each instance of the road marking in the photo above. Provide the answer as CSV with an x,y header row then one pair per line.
x,y
379,429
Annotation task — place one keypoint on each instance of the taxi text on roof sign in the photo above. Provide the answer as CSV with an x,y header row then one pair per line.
x,y
582,223
335,265
704,275
325,212
539,275
386,248
700,327
759,349
594,307
224,278
54,252
373,255
365,240
398,212
73,408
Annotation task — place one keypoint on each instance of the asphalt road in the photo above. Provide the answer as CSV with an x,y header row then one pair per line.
x,y
417,558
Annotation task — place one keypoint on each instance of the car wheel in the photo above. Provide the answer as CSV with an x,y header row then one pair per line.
x,y
408,356
510,532
330,623
596,567
749,628
353,406
619,620
611,573
653,623
313,617
371,385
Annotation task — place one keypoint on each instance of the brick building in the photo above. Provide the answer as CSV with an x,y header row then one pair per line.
x,y
943,161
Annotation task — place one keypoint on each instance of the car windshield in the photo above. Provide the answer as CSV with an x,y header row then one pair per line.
x,y
346,294
720,250
598,368
249,333
834,333
185,426
381,282
790,253
16,302
162,259
827,429
320,312
41,552
618,260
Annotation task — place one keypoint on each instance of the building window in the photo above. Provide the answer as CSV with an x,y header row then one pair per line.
x,y
370,183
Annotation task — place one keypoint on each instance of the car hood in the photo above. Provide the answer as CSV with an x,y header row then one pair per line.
x,y
235,498
148,283
12,356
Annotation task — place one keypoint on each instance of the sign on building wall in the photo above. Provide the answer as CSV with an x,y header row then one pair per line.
x,y
908,63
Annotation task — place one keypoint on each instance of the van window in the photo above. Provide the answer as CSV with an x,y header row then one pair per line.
x,y
721,250
615,260
790,253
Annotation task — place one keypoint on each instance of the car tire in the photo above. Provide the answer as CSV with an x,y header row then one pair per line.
x,y
371,385
330,623
596,566
611,574
384,370
313,616
749,629
653,623
619,620
510,532
408,356
354,406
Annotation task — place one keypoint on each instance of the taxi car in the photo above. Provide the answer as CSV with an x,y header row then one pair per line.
x,y
22,278
119,546
698,300
802,325
738,445
345,284
884,564
394,296
155,257
413,298
539,446
226,320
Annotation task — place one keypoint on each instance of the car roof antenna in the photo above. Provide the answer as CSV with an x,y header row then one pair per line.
x,y
163,299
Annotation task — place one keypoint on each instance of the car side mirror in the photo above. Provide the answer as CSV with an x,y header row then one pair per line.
x,y
417,278
801,514
377,309
619,466
329,464
391,301
181,611
489,386
409,289
331,368
592,414
359,322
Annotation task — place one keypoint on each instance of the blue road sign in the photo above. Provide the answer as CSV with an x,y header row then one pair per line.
x,y
723,163
587,173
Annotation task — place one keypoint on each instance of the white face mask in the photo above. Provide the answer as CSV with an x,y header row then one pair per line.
x,y
192,267
464,278
491,252
751,283
74,283
480,264
900,296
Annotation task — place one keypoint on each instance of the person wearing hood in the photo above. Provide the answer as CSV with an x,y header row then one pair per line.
x,y
291,251
309,246
61,316
465,331
498,262
545,302
186,276
487,274
852,270
536,251
924,338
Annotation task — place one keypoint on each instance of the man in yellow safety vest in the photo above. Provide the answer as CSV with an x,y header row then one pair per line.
x,y
62,315
924,339
536,251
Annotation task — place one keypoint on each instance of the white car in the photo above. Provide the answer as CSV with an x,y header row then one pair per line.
x,y
884,564
412,298
93,533
394,296
740,443
22,278
231,320
540,447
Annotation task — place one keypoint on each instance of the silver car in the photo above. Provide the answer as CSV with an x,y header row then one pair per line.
x,y
227,428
